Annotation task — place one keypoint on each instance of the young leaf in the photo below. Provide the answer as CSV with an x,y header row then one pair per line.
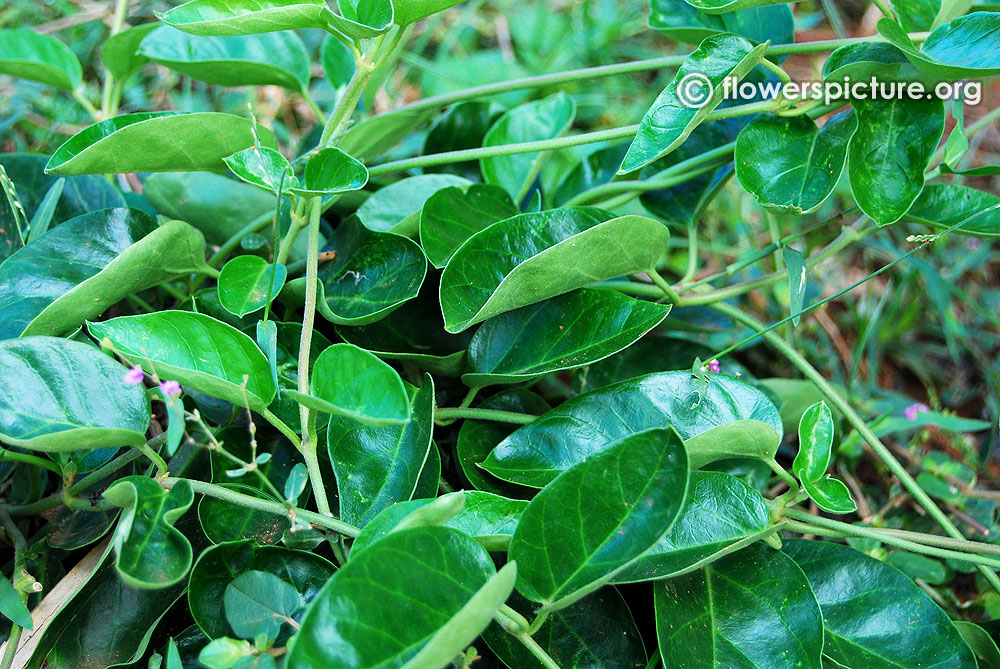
x,y
267,340
681,21
396,207
863,60
80,268
30,55
262,167
377,466
353,383
562,332
752,609
338,61
816,430
258,603
225,653
120,53
246,17
68,396
532,121
40,222
945,205
681,107
151,552
830,494
331,171
360,19
278,58
452,215
424,575
853,589
156,142
196,350
890,151
577,429
12,606
968,47
981,643
545,254
791,165
797,277
599,516
246,283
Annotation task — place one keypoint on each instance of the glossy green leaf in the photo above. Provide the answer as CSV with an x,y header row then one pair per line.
x,y
80,268
599,516
563,332
30,55
945,205
331,171
370,275
352,383
982,644
246,283
68,396
752,609
404,515
452,215
155,142
532,121
426,576
670,120
377,466
535,256
375,135
257,603
680,21
830,495
597,631
363,18
583,426
120,53
225,653
816,430
262,167
246,17
408,11
462,126
968,47
797,281
751,439
151,552
724,6
791,165
196,350
889,153
218,566
863,60
870,611
396,207
223,521
287,366
278,58
11,605
721,515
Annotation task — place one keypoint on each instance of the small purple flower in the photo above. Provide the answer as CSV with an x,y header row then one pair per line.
x,y
170,388
134,376
714,366
914,409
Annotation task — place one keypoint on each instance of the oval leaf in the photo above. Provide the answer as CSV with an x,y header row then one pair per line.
x,y
680,21
452,215
353,383
396,207
815,443
30,55
247,283
968,47
246,17
946,205
332,171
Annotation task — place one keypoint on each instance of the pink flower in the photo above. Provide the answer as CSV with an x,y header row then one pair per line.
x,y
914,409
134,376
170,388
714,366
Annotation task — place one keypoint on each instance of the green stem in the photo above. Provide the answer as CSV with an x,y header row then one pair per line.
x,y
277,508
27,459
663,286
20,546
110,468
117,21
85,103
858,423
281,427
484,414
944,542
692,255
884,8
513,623
161,464
342,113
230,244
320,116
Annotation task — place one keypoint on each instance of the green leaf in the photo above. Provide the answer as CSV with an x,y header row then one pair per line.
x,y
155,142
247,282
246,17
82,267
599,516
816,430
863,60
797,281
353,383
452,215
853,590
363,18
917,15
724,6
532,121
197,350
338,61
669,120
40,222
889,153
151,552
945,205
830,494
12,607
224,653
30,55
981,643
223,521
68,396
375,135
562,332
597,631
408,11
278,58
120,53
535,256
396,207
220,565
258,603
426,576
752,609
583,426
262,167
721,515
331,171
462,126
789,164
404,515
377,466
680,21
968,47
